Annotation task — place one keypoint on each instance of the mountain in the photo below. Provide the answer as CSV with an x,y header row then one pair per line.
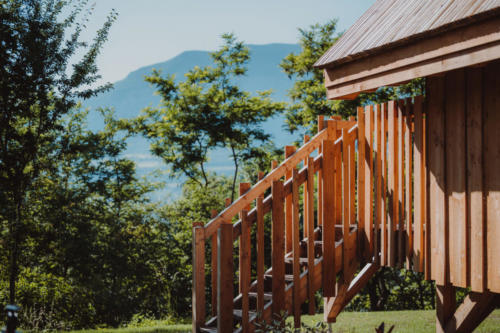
x,y
130,95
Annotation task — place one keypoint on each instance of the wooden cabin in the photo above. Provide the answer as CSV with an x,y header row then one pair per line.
x,y
412,183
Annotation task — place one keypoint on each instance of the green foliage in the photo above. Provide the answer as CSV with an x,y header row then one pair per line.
x,y
36,89
205,111
308,92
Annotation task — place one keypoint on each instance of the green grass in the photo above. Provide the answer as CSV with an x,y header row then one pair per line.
x,y
347,322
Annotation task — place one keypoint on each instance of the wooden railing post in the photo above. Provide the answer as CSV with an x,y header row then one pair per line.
x,y
245,272
278,247
225,279
296,248
244,187
214,269
321,126
198,297
289,150
260,255
309,221
362,240
329,274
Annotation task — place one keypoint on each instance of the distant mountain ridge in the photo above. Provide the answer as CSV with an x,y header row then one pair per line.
x,y
130,95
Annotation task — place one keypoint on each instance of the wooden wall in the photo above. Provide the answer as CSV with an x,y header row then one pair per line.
x,y
463,165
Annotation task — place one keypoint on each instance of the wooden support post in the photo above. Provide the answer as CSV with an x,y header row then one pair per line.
x,y
296,248
309,221
368,162
378,182
305,226
445,306
245,273
393,188
214,268
383,236
289,150
420,188
329,273
244,187
225,279
409,182
400,182
473,310
321,126
198,276
260,255
362,240
278,247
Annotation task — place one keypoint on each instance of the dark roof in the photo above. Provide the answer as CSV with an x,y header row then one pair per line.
x,y
390,23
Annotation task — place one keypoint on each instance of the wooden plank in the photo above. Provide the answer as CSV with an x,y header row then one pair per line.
x,y
392,178
306,226
437,180
260,254
400,182
383,231
296,248
408,141
455,176
352,181
491,165
363,240
214,268
321,125
346,200
328,234
278,247
198,298
426,195
246,270
225,279
378,180
243,188
369,178
289,151
309,217
474,181
445,306
419,188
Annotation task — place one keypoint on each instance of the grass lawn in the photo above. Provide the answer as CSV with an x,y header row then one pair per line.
x,y
347,322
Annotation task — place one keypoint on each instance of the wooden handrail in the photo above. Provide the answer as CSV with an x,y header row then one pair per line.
x,y
243,201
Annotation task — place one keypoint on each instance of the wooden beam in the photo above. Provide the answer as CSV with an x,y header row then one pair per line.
x,y
363,244
278,247
309,220
445,306
246,270
329,208
296,248
473,310
289,151
260,254
198,298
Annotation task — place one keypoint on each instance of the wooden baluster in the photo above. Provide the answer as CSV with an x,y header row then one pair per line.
x,y
306,140
278,247
198,297
419,181
383,231
289,150
378,181
244,187
274,164
393,184
309,221
345,201
260,255
228,202
400,192
321,126
329,273
214,268
368,160
362,239
296,248
409,184
245,270
225,279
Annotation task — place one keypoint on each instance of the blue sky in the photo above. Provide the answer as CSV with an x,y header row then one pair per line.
x,y
152,31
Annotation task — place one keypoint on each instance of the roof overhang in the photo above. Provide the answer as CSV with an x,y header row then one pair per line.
x,y
464,46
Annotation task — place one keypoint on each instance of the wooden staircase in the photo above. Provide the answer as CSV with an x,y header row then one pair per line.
x,y
312,204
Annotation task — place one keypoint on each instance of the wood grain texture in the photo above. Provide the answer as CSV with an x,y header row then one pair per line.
x,y
378,181
368,160
260,254
392,185
296,248
321,126
420,188
246,270
309,217
400,183
437,180
328,233
278,247
289,151
363,239
225,279
408,142
475,188
198,297
384,228
455,176
491,144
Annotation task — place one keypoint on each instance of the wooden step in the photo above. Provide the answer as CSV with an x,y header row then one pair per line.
x,y
238,315
267,296
208,329
302,261
288,277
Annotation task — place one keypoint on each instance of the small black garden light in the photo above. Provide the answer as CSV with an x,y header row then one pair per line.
x,y
12,312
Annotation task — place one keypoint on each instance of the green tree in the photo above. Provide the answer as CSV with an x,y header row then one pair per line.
x,y
206,111
308,93
36,89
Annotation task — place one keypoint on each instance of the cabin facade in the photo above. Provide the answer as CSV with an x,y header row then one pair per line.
x,y
412,183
